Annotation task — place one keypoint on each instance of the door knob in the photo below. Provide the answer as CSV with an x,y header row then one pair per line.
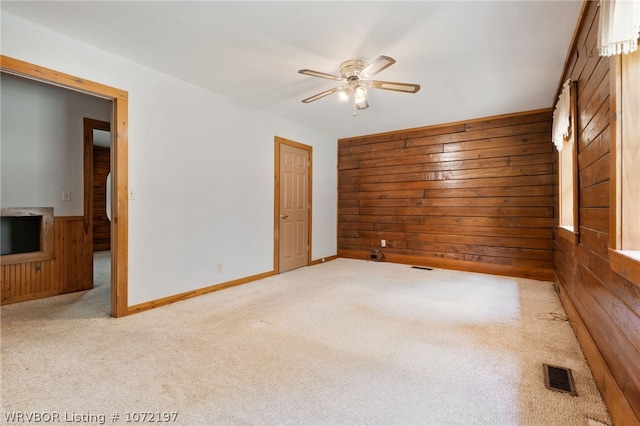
x,y
284,216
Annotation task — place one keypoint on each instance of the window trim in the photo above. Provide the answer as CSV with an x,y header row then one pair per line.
x,y
565,231
625,263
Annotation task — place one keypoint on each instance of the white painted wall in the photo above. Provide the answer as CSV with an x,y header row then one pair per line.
x,y
201,167
41,149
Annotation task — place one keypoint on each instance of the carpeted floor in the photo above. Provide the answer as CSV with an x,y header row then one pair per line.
x,y
102,268
344,342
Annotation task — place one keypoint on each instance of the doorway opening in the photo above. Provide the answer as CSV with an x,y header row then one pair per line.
x,y
119,164
97,200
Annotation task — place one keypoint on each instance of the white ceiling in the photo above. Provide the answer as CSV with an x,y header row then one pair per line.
x,y
472,59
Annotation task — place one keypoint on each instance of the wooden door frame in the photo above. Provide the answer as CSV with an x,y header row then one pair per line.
x,y
119,165
276,203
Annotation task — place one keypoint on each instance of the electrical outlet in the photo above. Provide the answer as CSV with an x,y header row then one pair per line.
x,y
132,194
383,243
66,195
219,267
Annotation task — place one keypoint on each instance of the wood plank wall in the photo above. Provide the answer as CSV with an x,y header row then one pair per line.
x,y
604,308
70,270
101,225
474,195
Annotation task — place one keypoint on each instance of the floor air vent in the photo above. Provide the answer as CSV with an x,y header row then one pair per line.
x,y
422,267
559,379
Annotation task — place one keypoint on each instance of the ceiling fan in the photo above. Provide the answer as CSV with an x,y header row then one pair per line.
x,y
355,76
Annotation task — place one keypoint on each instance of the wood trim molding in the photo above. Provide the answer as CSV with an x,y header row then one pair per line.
x,y
276,199
625,266
567,234
46,235
400,133
615,129
576,175
323,260
194,293
35,72
572,47
276,205
621,264
216,287
36,256
119,166
458,265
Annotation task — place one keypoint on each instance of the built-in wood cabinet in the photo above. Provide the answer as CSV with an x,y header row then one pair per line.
x,y
67,268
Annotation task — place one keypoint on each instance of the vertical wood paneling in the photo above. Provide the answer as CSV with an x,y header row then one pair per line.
x,y
606,304
474,196
74,255
70,270
101,225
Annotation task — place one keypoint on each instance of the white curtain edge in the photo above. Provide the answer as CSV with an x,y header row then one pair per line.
x,y
619,27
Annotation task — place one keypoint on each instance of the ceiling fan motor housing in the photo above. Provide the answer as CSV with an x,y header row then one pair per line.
x,y
352,68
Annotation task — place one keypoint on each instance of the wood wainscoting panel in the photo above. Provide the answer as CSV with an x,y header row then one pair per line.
x,y
476,195
73,255
27,281
70,270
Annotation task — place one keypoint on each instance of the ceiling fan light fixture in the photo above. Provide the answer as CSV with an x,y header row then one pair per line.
x,y
345,93
360,94
362,104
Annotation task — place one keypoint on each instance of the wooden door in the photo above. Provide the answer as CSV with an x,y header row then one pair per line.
x,y
293,208
97,164
101,223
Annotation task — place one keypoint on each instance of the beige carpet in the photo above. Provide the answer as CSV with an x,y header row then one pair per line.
x,y
344,342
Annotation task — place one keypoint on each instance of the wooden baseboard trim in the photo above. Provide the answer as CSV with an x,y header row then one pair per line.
x,y
217,287
30,297
323,260
619,409
199,292
458,265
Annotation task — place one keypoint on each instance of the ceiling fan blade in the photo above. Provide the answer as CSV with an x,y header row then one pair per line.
x,y
378,64
321,95
397,87
320,74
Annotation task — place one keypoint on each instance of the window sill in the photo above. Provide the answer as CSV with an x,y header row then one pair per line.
x,y
626,263
568,233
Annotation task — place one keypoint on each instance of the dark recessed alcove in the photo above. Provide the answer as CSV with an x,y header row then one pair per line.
x,y
20,234
26,234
